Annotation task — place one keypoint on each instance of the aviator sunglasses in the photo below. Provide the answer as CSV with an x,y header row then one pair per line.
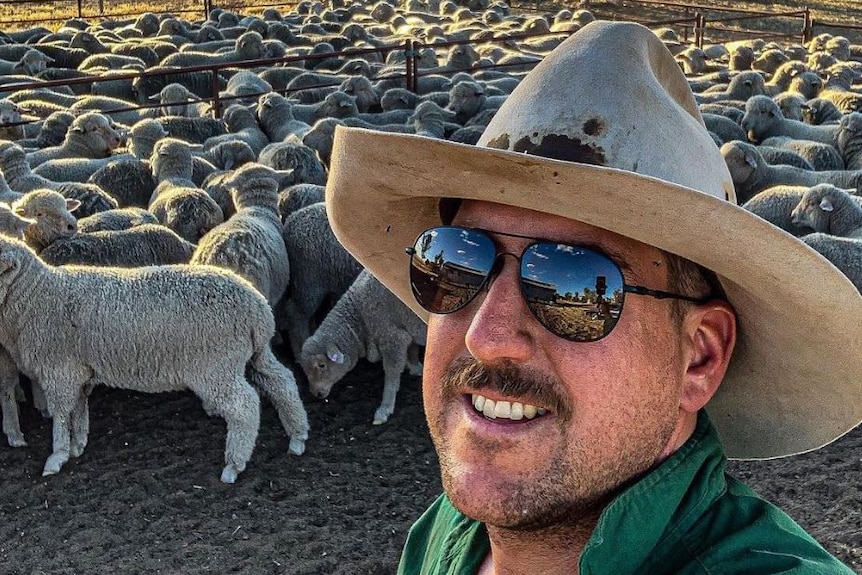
x,y
576,292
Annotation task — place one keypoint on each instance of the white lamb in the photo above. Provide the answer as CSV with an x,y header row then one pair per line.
x,y
153,329
368,321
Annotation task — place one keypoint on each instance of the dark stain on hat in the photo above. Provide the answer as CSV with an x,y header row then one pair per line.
x,y
594,127
501,142
559,147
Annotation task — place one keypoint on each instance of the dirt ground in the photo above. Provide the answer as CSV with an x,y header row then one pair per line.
x,y
145,496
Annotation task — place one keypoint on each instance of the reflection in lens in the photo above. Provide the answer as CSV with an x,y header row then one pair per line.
x,y
575,292
449,266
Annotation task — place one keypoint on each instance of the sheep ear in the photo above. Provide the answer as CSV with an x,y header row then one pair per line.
x,y
228,165
826,205
750,159
19,211
155,97
72,205
334,355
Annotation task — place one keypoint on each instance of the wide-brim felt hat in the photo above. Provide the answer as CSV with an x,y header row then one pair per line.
x,y
605,131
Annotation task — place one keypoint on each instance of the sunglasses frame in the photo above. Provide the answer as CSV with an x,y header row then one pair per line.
x,y
495,266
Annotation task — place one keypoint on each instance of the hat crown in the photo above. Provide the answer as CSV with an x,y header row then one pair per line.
x,y
612,95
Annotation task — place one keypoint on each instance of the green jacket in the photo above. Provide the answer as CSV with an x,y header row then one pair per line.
x,y
684,517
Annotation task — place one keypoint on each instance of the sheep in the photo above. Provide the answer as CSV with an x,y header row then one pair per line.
x,y
92,198
241,126
177,100
275,115
822,157
193,130
844,253
74,169
91,135
466,99
819,111
188,211
367,98
807,84
297,197
52,131
775,156
245,87
115,219
147,244
11,127
249,46
229,155
825,208
368,321
6,194
31,63
16,170
740,88
751,174
322,272
52,214
130,182
763,119
307,168
222,324
791,106
198,83
724,128
250,242
850,140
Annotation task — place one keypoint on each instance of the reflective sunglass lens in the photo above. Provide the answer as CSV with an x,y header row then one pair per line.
x,y
449,266
576,293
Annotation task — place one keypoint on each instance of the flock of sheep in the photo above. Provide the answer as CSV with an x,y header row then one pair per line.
x,y
149,246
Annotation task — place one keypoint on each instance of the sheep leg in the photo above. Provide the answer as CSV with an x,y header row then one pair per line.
x,y
394,356
8,401
239,405
414,360
39,401
298,326
62,397
80,422
277,384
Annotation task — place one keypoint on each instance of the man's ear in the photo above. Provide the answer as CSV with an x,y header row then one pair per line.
x,y
709,333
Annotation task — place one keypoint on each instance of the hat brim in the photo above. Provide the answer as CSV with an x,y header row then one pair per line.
x,y
795,380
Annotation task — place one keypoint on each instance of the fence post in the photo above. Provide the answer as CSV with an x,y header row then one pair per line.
x,y
215,94
80,9
807,26
410,64
699,28
685,27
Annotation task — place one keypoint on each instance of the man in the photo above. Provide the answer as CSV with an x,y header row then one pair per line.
x,y
569,443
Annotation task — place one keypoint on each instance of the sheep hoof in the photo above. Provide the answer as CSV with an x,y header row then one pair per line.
x,y
45,413
229,474
17,442
76,449
381,416
297,446
53,465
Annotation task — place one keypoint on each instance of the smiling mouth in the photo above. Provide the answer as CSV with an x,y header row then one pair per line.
x,y
511,410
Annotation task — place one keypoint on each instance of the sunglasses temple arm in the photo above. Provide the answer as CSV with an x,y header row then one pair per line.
x,y
659,294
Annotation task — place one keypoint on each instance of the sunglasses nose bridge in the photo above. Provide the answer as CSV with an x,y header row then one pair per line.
x,y
497,266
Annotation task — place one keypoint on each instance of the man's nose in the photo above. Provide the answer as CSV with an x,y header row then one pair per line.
x,y
502,325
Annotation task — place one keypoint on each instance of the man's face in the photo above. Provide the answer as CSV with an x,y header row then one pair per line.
x,y
613,406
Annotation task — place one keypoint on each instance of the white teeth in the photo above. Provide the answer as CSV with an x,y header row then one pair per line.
x,y
503,409
490,408
513,410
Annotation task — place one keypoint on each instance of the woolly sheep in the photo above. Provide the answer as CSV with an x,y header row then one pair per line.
x,y
91,135
241,125
250,242
322,272
190,212
176,100
275,115
129,182
822,157
850,140
466,99
844,253
297,197
741,87
10,121
223,323
307,168
193,130
751,174
825,208
147,244
74,169
774,156
763,119
229,155
92,199
368,321
115,219
16,170
52,214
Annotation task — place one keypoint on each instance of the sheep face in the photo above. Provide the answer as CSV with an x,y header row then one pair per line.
x,y
815,208
761,115
324,370
742,160
52,214
848,129
95,133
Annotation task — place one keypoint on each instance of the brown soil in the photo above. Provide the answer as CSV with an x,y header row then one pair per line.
x,y
145,495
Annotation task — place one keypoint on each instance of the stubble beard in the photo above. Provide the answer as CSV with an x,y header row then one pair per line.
x,y
571,487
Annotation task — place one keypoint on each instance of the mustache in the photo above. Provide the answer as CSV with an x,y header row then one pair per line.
x,y
506,379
